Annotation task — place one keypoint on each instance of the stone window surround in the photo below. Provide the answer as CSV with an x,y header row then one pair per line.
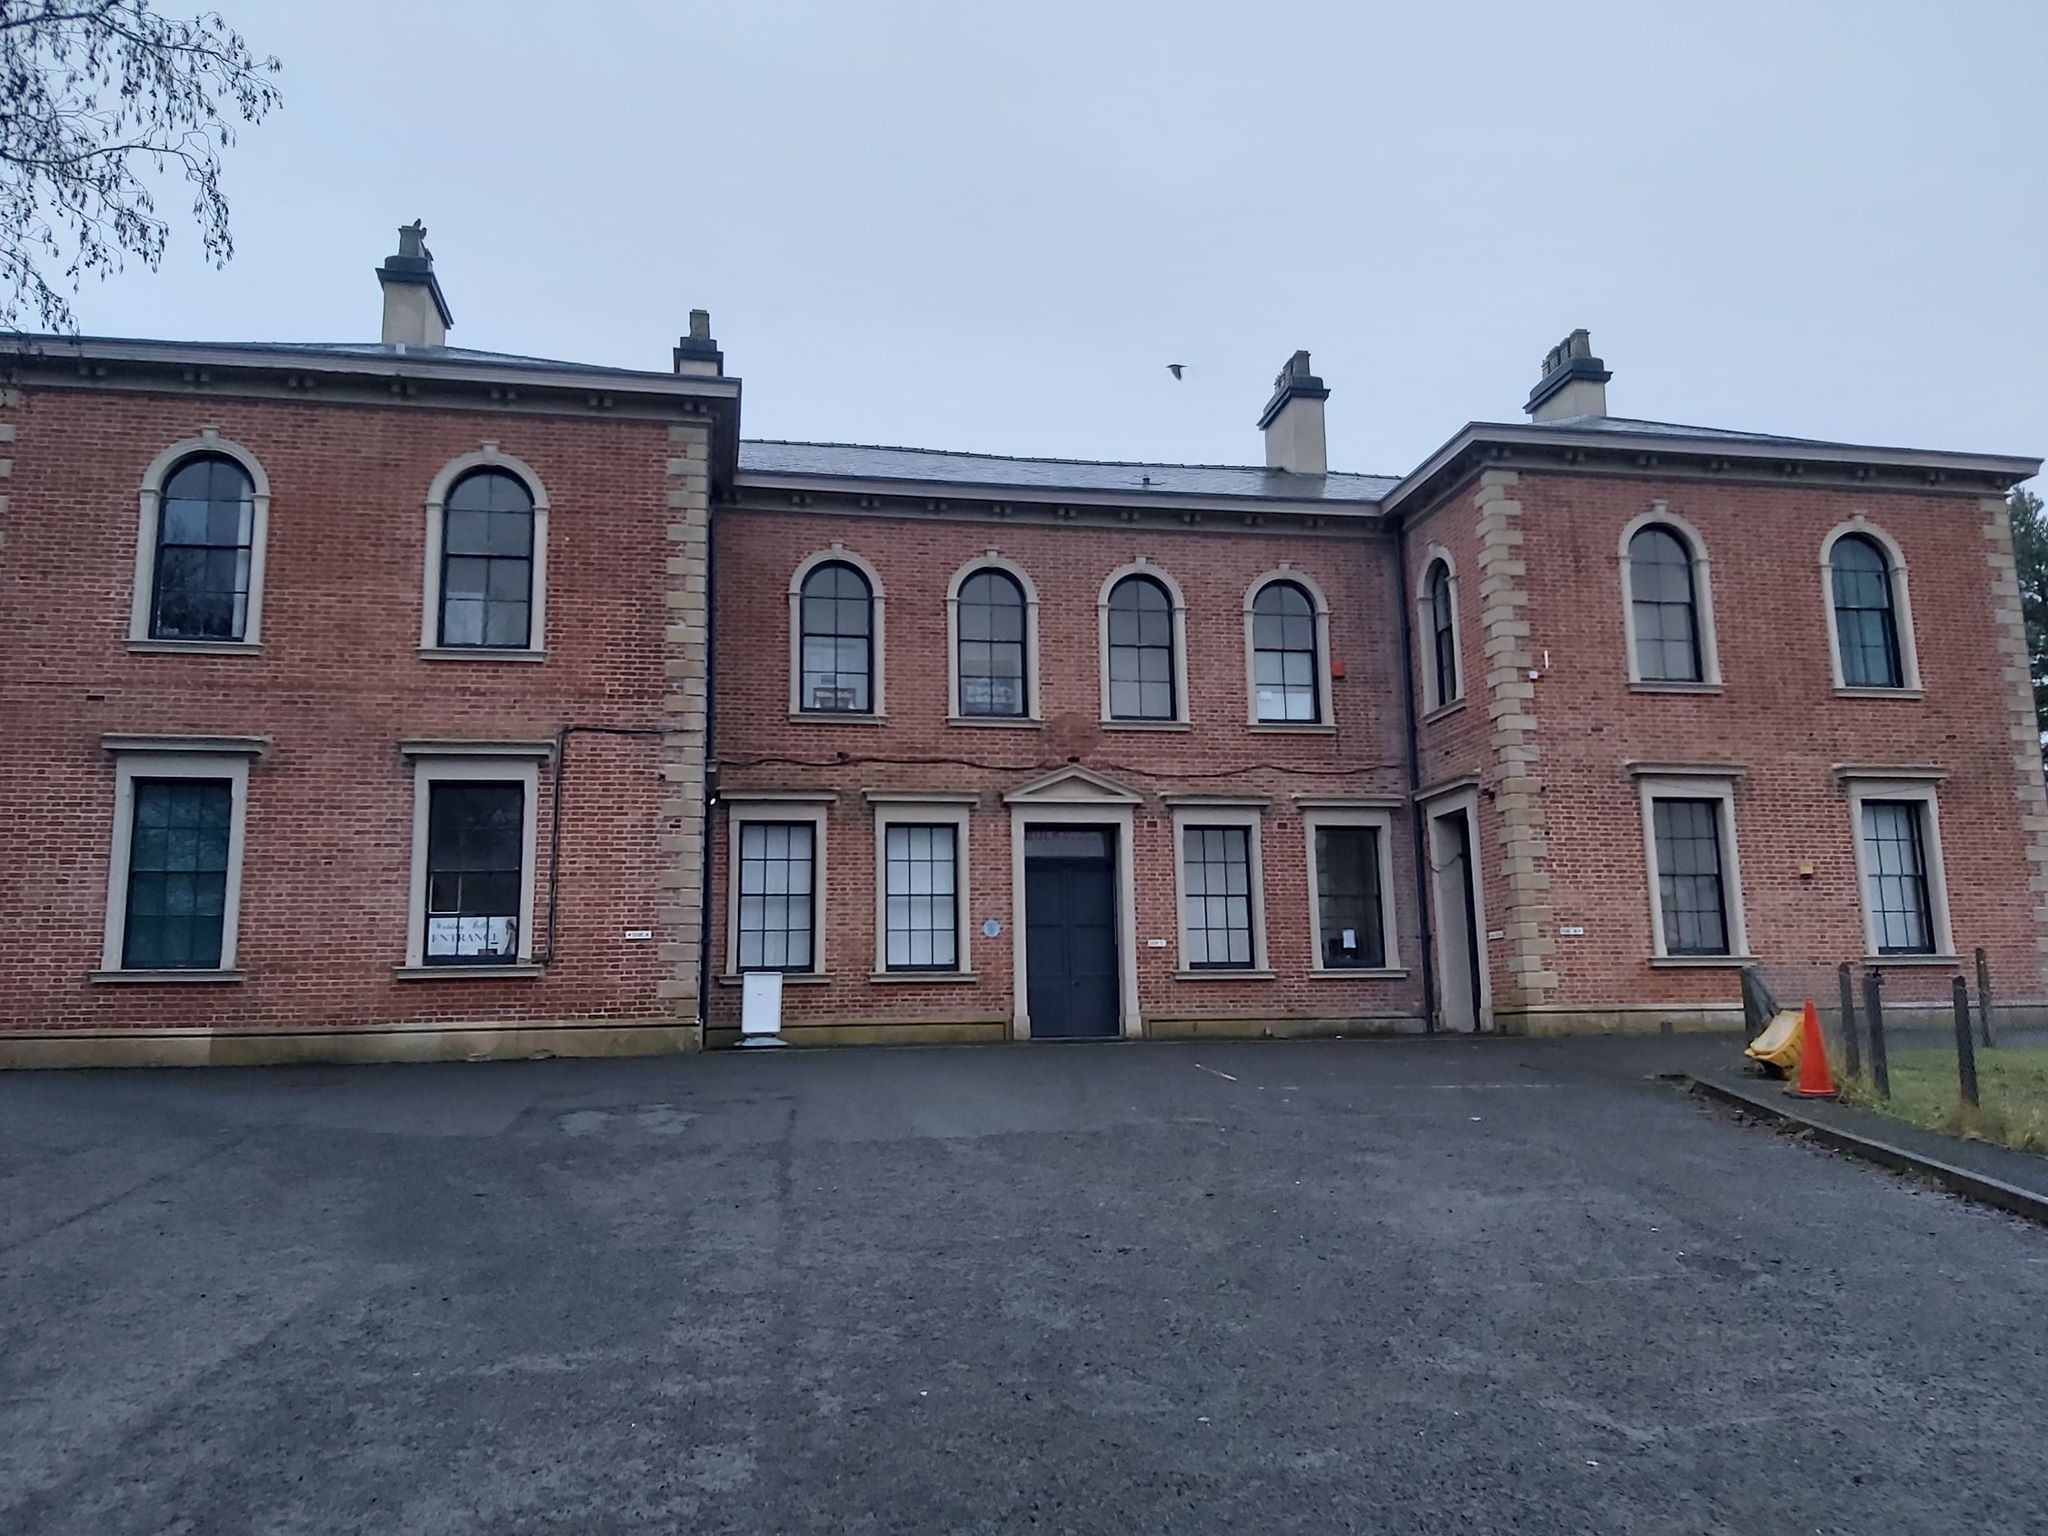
x,y
175,757
151,496
516,762
877,607
1326,699
992,560
935,808
489,456
1177,603
1685,781
1660,515
743,806
1244,812
1902,610
1432,556
1918,786
1334,813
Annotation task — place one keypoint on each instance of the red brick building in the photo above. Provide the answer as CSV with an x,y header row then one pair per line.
x,y
396,700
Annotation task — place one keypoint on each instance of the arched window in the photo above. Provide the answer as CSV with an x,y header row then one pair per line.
x,y
1286,667
1141,660
487,562
1443,636
1866,616
205,546
837,620
1664,607
991,659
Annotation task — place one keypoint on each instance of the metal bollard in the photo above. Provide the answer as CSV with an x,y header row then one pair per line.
x,y
1966,1050
1873,1013
1984,998
1852,1048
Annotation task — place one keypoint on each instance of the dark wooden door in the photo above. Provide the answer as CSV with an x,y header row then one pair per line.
x,y
1070,939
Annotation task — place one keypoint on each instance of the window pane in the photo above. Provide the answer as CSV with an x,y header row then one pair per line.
x,y
991,646
476,871
205,522
1350,928
835,612
1216,901
177,874
1866,625
1895,862
486,562
1689,886
1285,666
1664,607
921,916
775,925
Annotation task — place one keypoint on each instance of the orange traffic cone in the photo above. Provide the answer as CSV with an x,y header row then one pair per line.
x,y
1815,1080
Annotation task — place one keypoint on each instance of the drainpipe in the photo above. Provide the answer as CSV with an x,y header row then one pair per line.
x,y
706,853
1424,934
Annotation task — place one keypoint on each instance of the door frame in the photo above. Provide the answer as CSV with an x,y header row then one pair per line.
x,y
1429,805
1076,797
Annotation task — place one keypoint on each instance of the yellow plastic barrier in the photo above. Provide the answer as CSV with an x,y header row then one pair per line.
x,y
1778,1045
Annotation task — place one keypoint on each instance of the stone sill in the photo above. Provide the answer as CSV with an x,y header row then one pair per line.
x,y
1638,685
523,970
1146,725
888,978
1952,962
1699,962
194,648
1226,974
831,717
477,653
1001,722
789,978
1842,691
1443,711
1358,973
155,978
1292,727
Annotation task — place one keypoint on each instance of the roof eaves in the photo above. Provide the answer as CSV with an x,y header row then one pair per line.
x,y
1004,491
1677,439
367,361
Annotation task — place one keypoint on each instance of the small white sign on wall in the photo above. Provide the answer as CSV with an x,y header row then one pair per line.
x,y
639,933
1572,931
1155,943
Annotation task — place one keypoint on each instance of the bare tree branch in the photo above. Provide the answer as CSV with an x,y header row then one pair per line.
x,y
96,95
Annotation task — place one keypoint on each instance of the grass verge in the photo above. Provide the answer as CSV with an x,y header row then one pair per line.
x,y
2012,1086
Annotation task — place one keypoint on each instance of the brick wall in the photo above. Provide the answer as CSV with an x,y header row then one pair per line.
x,y
339,682
1778,718
759,549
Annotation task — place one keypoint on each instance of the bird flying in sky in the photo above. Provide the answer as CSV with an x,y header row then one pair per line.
x,y
1175,368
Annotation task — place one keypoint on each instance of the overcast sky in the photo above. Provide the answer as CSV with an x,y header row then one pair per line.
x,y
988,225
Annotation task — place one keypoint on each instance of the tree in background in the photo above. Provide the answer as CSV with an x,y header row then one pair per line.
x,y
2030,549
101,103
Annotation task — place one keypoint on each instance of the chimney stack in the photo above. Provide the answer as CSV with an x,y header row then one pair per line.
x,y
1574,381
1293,421
697,352
415,313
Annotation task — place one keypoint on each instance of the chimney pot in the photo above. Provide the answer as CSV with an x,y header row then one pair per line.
x,y
1574,381
415,310
697,352
1293,421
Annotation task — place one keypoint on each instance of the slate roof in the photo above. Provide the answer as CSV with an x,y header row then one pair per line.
x,y
931,466
312,349
1628,426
